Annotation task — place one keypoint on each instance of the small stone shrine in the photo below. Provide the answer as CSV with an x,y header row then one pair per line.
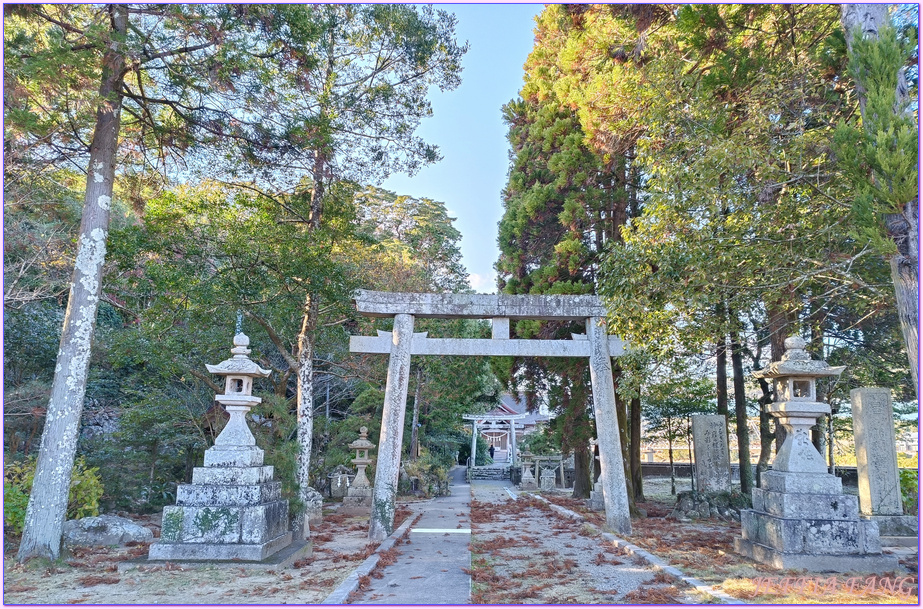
x,y
528,480
339,481
800,518
358,498
710,447
876,457
233,509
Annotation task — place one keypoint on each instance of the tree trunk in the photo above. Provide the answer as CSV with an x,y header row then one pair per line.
x,y
637,482
306,340
903,227
689,448
305,411
582,473
721,376
414,436
740,411
905,267
766,434
670,456
44,520
780,322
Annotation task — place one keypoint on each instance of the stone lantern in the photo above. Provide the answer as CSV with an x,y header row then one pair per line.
x,y
800,518
235,445
361,446
358,499
233,510
796,407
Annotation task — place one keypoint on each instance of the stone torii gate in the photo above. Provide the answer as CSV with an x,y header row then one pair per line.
x,y
492,419
402,343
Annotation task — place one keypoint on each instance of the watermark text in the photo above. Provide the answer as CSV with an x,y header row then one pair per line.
x,y
821,586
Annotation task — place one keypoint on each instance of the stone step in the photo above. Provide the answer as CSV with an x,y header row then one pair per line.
x,y
228,495
489,472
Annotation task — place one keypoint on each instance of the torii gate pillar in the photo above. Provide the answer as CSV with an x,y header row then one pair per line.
x,y
615,498
392,430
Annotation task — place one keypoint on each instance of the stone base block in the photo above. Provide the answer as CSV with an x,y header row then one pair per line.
x,y
788,482
896,526
804,505
224,524
218,551
358,502
232,475
597,504
233,456
818,536
816,563
900,542
228,495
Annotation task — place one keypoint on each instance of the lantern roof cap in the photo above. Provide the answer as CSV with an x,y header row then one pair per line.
x,y
362,442
797,362
239,363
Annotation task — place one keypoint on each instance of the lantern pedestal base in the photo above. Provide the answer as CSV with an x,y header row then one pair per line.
x,y
358,501
219,551
803,521
816,563
227,514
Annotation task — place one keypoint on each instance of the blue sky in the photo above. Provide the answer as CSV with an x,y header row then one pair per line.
x,y
467,126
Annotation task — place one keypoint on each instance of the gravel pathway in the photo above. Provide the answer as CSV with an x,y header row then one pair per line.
x,y
523,551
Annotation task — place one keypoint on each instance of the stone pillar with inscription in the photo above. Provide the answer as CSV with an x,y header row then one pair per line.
x,y
801,519
876,458
710,446
547,479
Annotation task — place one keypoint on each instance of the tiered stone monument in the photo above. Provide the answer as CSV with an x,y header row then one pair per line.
x,y
358,500
710,446
876,457
800,518
233,509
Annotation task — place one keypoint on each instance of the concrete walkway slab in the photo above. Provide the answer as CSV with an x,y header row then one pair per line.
x,y
431,567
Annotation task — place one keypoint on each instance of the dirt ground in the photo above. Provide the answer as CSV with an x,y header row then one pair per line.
x,y
704,549
522,552
90,575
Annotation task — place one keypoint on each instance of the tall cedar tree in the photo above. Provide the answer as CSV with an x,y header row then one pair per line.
x,y
562,205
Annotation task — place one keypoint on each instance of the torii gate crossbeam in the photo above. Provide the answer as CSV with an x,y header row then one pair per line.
x,y
401,343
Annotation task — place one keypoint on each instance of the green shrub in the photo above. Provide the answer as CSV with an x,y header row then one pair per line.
x,y
433,477
85,491
910,490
